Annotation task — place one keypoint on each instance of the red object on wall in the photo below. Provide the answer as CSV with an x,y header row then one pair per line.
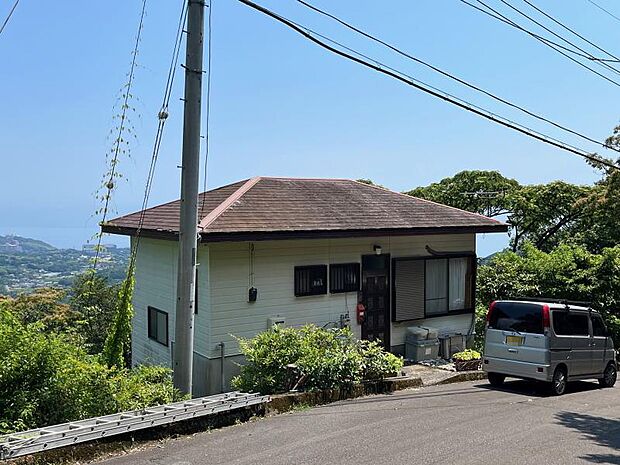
x,y
360,310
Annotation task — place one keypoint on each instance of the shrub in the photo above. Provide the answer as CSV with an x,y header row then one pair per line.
x,y
324,358
466,355
46,379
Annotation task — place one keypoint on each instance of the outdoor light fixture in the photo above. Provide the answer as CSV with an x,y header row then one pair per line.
x,y
377,249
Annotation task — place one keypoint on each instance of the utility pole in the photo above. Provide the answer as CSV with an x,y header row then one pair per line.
x,y
188,227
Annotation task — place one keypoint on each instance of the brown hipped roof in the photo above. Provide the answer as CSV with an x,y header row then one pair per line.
x,y
282,208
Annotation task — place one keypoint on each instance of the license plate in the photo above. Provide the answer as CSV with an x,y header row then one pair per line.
x,y
514,340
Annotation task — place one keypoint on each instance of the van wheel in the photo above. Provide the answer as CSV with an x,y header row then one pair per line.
x,y
558,383
609,376
495,379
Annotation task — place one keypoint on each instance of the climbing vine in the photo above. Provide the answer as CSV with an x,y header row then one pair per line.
x,y
117,346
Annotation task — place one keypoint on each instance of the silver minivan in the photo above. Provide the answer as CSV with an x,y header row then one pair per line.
x,y
551,341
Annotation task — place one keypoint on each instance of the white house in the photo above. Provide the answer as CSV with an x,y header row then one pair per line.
x,y
303,251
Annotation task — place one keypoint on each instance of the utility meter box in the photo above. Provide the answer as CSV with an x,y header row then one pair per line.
x,y
276,320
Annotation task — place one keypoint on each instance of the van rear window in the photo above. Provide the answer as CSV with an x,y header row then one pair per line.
x,y
517,316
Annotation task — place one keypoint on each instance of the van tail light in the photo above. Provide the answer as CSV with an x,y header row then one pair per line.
x,y
491,307
546,319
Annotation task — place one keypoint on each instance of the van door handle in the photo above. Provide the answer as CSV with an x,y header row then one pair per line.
x,y
514,351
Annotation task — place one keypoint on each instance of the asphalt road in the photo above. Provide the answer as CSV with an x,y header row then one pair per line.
x,y
465,423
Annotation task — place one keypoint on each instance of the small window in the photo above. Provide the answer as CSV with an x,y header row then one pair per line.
x,y
598,327
344,277
310,280
158,325
570,324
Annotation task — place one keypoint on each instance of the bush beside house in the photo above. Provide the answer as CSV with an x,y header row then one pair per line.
x,y
310,358
47,377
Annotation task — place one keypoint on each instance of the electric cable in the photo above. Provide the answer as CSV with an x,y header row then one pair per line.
x,y
559,23
8,16
162,118
604,10
121,127
554,46
600,61
391,72
208,108
450,76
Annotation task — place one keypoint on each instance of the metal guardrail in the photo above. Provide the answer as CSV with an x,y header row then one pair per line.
x,y
52,437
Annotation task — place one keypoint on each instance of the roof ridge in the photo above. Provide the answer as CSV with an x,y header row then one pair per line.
x,y
384,189
225,205
293,178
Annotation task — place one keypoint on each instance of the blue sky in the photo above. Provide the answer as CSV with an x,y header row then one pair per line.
x,y
280,105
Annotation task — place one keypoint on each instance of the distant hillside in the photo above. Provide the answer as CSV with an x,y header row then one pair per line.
x,y
27,264
18,244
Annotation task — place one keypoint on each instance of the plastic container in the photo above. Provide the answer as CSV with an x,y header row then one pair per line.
x,y
420,333
427,349
450,344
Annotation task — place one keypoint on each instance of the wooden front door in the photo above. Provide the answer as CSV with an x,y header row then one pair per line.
x,y
376,298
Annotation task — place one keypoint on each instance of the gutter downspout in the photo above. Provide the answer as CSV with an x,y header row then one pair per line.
x,y
222,347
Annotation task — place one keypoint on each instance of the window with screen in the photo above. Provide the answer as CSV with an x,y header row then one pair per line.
x,y
570,324
158,325
344,277
310,280
427,287
598,327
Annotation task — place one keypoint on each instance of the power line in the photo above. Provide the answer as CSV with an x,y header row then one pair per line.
x,y
554,46
546,41
9,16
208,107
603,9
559,23
450,76
555,34
384,69
121,127
162,118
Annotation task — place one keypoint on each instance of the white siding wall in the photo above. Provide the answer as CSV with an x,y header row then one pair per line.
x,y
156,281
274,262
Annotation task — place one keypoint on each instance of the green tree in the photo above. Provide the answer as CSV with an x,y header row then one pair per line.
x,y
46,306
484,192
569,271
94,300
543,214
548,214
46,378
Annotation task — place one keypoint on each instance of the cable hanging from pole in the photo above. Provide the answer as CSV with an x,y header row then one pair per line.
x,y
409,80
454,78
116,150
207,109
162,117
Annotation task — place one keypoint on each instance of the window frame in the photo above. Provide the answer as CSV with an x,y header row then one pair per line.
x,y
473,264
357,269
570,314
596,316
156,312
321,291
